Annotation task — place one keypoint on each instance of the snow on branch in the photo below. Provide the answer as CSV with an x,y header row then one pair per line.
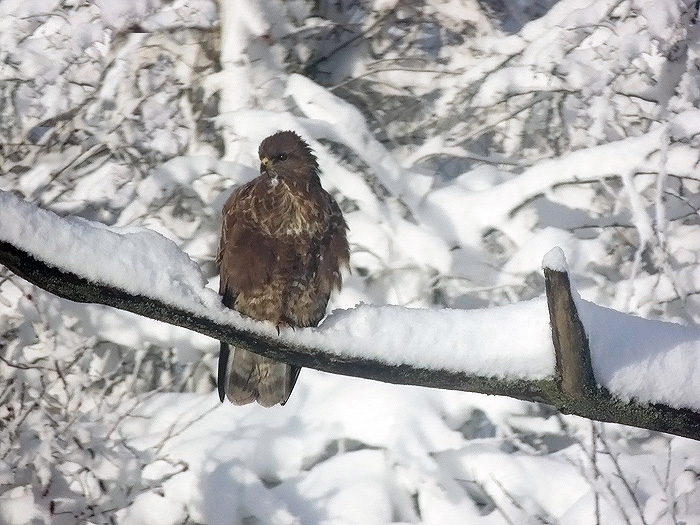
x,y
621,369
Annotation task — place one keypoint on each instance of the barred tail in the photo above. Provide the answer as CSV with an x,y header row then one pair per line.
x,y
245,377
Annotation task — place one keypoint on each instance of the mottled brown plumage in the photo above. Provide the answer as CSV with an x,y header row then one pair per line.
x,y
283,244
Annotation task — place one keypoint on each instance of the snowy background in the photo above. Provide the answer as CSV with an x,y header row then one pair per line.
x,y
463,140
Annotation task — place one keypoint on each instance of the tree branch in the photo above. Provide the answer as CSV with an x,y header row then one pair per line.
x,y
574,372
573,391
76,288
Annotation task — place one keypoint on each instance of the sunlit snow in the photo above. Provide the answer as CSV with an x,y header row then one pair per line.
x,y
464,141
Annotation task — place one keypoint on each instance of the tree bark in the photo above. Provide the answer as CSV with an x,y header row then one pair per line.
x,y
574,372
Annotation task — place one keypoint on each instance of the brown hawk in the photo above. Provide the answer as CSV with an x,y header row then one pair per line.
x,y
283,244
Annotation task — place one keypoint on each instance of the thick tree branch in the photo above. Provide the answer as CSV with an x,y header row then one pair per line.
x,y
572,391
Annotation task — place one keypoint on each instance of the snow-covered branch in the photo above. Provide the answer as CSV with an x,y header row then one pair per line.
x,y
504,351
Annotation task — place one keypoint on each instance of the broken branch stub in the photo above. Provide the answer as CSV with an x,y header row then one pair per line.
x,y
574,372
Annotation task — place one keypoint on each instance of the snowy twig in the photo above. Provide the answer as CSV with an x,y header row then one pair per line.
x,y
623,478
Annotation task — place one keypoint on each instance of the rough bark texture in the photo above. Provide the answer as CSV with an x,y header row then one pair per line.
x,y
574,372
568,393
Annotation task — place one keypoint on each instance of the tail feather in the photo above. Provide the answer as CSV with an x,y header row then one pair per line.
x,y
293,375
221,374
245,377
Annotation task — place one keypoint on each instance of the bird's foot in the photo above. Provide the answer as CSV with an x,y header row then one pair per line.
x,y
285,325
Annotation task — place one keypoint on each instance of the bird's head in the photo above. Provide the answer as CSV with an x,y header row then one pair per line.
x,y
286,154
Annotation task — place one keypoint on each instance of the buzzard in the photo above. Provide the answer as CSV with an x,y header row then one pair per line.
x,y
283,245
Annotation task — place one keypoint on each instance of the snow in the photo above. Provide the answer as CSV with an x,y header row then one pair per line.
x,y
128,258
457,340
644,360
463,144
555,260
490,207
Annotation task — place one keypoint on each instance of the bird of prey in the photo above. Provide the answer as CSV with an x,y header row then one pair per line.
x,y
283,246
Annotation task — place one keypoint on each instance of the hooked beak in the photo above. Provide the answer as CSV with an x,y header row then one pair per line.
x,y
264,165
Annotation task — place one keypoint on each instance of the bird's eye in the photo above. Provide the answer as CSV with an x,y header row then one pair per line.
x,y
281,157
